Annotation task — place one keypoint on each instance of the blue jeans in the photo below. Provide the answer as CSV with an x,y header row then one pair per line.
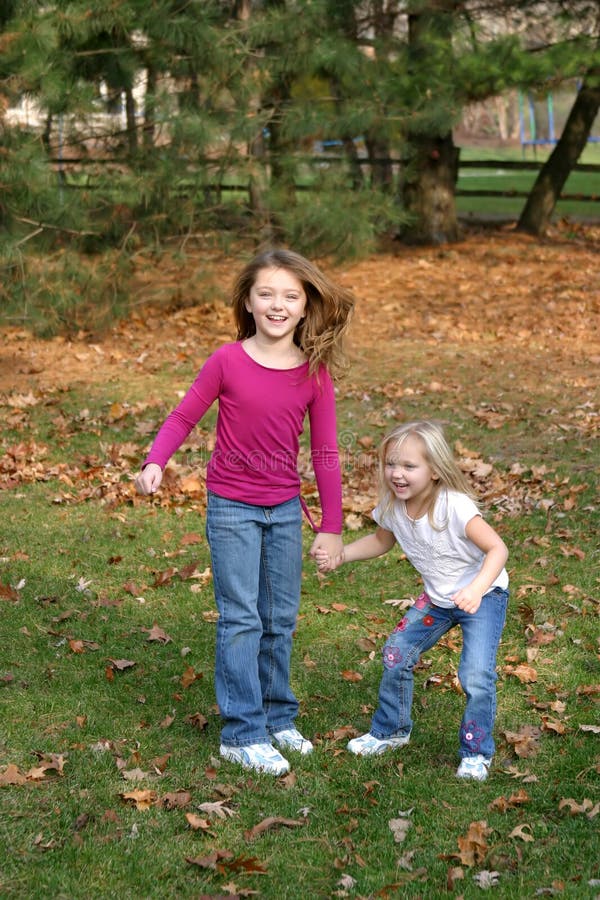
x,y
256,555
422,627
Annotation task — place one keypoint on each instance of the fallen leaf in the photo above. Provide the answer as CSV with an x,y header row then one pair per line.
x,y
586,807
522,832
486,879
473,846
12,775
197,823
348,675
217,809
142,799
176,799
270,823
399,828
157,634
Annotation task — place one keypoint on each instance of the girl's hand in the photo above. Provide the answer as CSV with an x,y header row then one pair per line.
x,y
330,544
149,479
467,599
326,563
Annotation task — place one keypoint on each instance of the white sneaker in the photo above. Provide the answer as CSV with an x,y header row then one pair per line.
x,y
260,757
369,745
475,767
291,739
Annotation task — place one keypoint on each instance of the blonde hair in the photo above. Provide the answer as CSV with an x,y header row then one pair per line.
x,y
439,457
328,308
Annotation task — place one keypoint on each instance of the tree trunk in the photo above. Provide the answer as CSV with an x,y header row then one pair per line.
x,y
428,191
150,108
381,168
430,176
540,204
132,136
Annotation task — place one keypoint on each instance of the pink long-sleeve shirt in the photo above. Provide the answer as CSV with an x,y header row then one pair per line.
x,y
259,423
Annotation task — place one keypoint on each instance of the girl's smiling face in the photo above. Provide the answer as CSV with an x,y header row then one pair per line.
x,y
408,474
277,302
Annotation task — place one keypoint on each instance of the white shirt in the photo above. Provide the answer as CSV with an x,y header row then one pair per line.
x,y
444,557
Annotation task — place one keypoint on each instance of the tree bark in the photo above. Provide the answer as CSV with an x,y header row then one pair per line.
x,y
537,212
428,185
428,192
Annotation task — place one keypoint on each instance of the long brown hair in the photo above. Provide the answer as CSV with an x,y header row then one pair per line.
x,y
328,308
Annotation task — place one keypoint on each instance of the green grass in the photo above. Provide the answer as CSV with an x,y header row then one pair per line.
x,y
86,570
485,179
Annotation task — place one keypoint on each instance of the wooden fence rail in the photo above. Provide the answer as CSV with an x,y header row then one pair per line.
x,y
70,166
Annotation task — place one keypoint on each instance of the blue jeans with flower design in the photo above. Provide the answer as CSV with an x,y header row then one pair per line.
x,y
422,627
256,555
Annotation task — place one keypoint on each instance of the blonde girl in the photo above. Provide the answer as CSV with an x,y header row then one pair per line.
x,y
426,506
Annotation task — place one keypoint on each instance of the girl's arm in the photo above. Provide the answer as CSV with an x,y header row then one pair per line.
x,y
178,424
325,458
483,536
376,544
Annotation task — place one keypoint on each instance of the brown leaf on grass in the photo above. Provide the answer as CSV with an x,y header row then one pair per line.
x,y
77,645
288,781
164,577
473,846
167,722
176,799
554,726
160,763
588,689
12,775
197,720
187,572
270,823
224,861
454,874
366,644
142,799
504,803
525,742
8,592
349,675
119,665
197,823
539,636
190,676
525,674
192,537
156,633
211,860
51,762
586,807
130,587
523,832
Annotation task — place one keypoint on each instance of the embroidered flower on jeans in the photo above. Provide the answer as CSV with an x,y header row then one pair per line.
x,y
401,624
421,602
472,735
428,620
391,656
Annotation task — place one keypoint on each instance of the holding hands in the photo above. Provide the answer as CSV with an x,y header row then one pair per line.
x,y
328,562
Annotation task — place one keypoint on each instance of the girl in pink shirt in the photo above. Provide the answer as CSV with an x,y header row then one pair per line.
x,y
290,323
